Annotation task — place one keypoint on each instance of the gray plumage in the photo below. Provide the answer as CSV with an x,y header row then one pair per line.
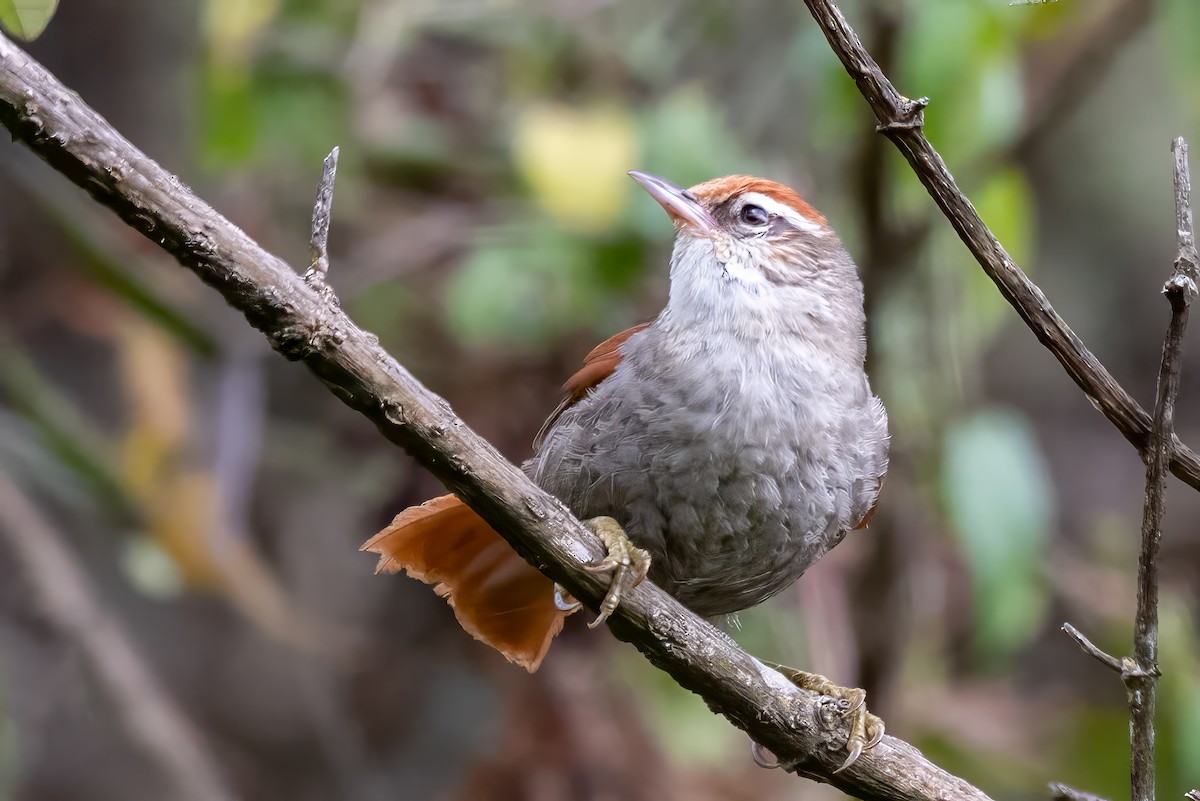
x,y
738,439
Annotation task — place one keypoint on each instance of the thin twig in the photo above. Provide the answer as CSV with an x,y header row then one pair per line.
x,y
900,119
150,717
1187,263
310,326
1140,672
1094,651
318,246
1062,792
1179,289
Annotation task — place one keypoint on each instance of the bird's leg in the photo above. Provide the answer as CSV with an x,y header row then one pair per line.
x,y
844,704
628,563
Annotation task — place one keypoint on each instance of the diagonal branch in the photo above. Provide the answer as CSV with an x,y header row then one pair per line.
x,y
900,119
308,325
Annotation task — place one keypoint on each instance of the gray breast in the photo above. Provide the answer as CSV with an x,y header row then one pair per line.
x,y
733,486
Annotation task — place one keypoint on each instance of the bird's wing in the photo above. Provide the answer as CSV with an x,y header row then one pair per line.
x,y
597,366
869,497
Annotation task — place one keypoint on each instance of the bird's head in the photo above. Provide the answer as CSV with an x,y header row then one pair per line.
x,y
755,255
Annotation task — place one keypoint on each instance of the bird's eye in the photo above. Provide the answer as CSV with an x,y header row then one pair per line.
x,y
754,215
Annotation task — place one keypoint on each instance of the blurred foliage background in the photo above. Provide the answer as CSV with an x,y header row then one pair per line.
x,y
484,228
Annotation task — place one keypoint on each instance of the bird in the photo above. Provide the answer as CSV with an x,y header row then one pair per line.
x,y
719,449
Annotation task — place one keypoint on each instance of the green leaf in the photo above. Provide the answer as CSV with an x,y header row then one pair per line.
x,y
26,19
231,120
517,287
526,283
966,58
999,499
305,111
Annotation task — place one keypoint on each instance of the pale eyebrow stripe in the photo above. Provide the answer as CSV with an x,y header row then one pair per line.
x,y
786,212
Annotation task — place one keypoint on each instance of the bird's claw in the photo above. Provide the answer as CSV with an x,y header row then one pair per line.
x,y
848,704
763,757
628,564
563,600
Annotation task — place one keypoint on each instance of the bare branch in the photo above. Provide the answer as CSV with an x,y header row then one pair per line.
x,y
151,719
1179,289
311,327
1140,671
318,247
1094,651
900,119
1187,263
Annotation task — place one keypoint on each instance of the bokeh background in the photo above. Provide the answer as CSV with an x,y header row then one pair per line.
x,y
214,494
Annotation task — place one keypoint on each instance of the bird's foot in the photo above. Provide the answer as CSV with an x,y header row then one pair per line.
x,y
840,704
628,564
565,601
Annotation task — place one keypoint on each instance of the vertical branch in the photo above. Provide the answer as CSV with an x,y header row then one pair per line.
x,y
1179,289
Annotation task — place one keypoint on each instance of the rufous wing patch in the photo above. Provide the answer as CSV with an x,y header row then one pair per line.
x,y
867,517
598,365
498,597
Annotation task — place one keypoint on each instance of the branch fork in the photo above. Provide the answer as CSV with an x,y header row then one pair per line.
x,y
1031,305
1140,672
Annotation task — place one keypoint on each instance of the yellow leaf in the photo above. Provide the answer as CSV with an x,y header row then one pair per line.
x,y
179,500
180,519
232,27
574,161
154,373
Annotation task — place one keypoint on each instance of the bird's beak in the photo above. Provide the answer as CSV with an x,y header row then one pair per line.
x,y
680,204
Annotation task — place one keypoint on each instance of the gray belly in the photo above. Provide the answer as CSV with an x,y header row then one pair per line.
x,y
734,499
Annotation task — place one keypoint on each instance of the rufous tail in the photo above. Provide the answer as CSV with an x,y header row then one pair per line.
x,y
497,596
